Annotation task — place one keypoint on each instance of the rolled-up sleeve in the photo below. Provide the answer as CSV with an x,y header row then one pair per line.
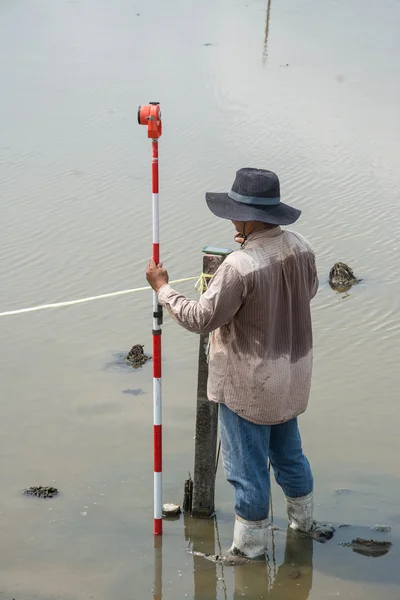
x,y
216,307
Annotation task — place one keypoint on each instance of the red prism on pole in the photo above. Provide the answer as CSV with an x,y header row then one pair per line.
x,y
150,115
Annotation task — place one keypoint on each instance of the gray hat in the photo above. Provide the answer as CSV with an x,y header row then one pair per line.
x,y
254,196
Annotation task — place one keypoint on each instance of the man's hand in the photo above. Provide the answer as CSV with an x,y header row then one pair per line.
x,y
156,275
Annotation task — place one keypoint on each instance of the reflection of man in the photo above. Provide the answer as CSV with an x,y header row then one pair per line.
x,y
293,578
257,307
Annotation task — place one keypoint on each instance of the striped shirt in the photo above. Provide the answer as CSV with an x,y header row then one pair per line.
x,y
257,309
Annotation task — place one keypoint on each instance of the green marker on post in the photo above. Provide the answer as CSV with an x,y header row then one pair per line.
x,y
216,251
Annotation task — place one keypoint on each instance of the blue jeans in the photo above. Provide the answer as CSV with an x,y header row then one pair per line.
x,y
246,448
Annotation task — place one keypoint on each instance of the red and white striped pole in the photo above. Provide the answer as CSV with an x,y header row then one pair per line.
x,y
150,115
157,321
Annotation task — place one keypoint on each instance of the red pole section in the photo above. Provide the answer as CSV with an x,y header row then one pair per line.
x,y
156,210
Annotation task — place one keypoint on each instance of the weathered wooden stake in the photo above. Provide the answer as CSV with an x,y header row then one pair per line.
x,y
188,496
206,424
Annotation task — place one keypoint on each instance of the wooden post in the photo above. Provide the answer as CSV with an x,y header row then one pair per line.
x,y
206,424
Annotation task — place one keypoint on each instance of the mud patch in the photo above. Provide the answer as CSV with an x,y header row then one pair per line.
x,y
138,392
371,548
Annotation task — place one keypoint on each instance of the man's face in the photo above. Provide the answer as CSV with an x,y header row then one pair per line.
x,y
238,226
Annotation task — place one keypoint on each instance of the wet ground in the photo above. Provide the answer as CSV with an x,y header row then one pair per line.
x,y
76,221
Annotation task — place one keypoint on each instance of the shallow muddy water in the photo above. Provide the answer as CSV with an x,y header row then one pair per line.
x,y
310,90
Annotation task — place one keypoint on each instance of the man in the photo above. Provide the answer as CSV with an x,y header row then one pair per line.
x,y
257,309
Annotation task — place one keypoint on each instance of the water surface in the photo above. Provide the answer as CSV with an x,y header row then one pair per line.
x,y
311,92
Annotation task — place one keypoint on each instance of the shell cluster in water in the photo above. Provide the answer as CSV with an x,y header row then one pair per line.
x,y
136,356
41,492
341,277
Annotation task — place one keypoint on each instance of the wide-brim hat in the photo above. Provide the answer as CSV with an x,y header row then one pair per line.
x,y
254,196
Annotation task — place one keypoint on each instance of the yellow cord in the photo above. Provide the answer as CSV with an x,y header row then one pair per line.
x,y
201,284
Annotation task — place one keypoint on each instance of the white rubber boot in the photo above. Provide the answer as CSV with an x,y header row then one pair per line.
x,y
300,512
301,518
250,538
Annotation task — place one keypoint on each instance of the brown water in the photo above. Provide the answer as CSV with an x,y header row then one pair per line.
x,y
76,221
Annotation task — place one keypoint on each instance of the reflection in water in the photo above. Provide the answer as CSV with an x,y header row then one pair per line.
x,y
200,535
341,289
292,579
265,52
157,586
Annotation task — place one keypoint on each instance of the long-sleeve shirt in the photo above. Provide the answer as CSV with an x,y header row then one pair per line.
x,y
257,309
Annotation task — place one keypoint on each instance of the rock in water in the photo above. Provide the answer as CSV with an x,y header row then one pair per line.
x,y
341,277
171,510
136,357
41,492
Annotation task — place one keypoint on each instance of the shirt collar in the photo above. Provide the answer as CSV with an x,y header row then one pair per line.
x,y
254,239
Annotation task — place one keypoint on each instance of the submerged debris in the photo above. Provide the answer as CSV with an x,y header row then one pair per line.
x,y
321,532
136,357
341,277
137,392
372,548
294,574
231,560
382,528
41,492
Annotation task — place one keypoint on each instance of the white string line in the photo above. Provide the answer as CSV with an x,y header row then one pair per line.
x,y
9,313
